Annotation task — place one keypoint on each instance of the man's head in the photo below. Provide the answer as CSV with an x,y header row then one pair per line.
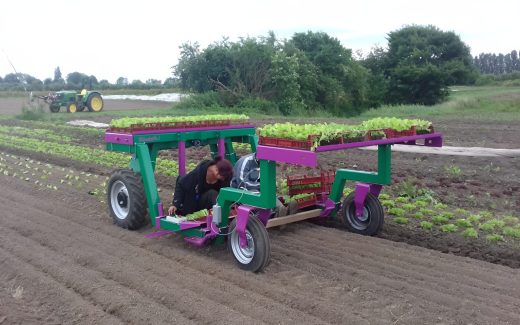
x,y
221,169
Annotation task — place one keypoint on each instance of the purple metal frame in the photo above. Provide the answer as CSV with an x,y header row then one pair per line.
x,y
310,159
243,213
361,192
430,140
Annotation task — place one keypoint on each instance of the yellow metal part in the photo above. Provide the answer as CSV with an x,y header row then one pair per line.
x,y
72,108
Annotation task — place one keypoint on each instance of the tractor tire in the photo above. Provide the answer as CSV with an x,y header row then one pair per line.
x,y
127,200
54,109
371,221
257,254
72,108
95,103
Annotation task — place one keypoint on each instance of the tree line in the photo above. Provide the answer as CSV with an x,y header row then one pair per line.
x,y
313,71
76,80
497,64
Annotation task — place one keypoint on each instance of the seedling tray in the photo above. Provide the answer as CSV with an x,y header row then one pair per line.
x,y
176,125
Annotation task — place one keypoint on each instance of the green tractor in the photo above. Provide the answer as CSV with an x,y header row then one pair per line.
x,y
74,101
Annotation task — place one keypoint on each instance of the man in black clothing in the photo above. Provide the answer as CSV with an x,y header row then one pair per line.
x,y
199,188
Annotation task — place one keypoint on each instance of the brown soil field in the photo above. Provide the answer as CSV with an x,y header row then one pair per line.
x,y
62,260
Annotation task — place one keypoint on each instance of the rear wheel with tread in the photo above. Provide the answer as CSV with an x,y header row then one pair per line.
x,y
126,199
369,223
95,103
256,255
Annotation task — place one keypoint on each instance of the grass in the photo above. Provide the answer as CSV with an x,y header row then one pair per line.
x,y
491,103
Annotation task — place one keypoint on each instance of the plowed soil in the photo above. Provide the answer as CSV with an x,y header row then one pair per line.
x,y
63,261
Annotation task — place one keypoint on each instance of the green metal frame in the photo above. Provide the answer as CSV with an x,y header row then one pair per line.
x,y
145,149
383,176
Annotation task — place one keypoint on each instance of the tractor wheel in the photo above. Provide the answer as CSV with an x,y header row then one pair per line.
x,y
369,223
72,108
95,103
126,199
54,109
255,256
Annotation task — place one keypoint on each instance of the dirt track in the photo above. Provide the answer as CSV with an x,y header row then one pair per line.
x,y
63,261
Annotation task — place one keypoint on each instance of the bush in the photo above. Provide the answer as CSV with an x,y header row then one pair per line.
x,y
463,223
470,233
426,225
449,228
200,101
494,238
511,232
33,113
401,220
259,104
398,212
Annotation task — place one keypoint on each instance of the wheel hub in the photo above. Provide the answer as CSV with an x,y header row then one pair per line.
x,y
122,199
243,254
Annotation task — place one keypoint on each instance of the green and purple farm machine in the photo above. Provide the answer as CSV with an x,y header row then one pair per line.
x,y
242,217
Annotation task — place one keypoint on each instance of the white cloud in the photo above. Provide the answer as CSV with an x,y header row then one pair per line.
x,y
140,40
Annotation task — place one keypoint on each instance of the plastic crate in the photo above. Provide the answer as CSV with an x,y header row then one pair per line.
x,y
391,133
430,130
375,135
285,143
175,125
299,184
307,201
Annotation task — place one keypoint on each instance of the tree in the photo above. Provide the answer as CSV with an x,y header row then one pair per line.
x,y
78,80
438,59
104,84
11,78
122,81
57,75
285,78
341,81
171,82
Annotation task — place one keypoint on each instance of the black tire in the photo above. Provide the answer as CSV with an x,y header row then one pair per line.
x,y
95,103
257,254
127,200
54,109
370,223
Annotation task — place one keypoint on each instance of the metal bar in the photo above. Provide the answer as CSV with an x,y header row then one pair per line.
x,y
221,147
182,158
150,186
293,218
287,155
432,140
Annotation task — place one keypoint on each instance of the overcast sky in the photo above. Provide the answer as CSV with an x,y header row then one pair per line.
x,y
141,39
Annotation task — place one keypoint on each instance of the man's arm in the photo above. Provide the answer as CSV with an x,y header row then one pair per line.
x,y
178,196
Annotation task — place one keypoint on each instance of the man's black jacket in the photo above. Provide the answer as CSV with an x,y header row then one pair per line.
x,y
190,187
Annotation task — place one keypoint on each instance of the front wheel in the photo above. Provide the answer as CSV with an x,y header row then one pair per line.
x,y
126,199
72,108
54,109
256,255
369,223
